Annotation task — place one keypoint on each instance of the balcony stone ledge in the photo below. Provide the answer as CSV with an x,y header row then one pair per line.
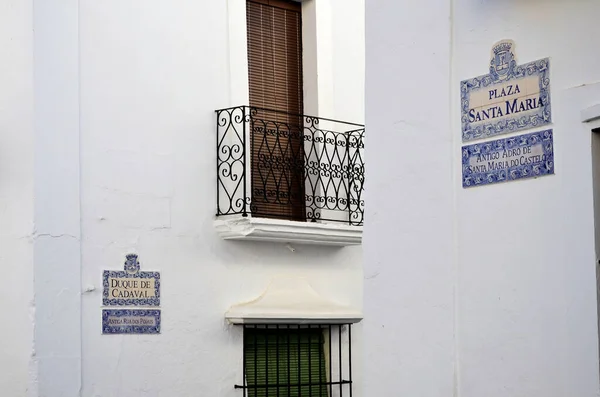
x,y
237,227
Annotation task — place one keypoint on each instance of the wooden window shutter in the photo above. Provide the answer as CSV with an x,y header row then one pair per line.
x,y
276,96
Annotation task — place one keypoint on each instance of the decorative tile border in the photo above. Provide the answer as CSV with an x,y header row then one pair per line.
x,y
508,159
510,98
131,287
131,321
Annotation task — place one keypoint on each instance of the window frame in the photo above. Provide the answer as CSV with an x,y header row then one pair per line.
x,y
318,73
337,360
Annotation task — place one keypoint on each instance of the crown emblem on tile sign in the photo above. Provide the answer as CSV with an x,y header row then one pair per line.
x,y
132,265
502,47
503,61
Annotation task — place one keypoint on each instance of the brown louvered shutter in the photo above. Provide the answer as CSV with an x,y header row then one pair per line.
x,y
275,81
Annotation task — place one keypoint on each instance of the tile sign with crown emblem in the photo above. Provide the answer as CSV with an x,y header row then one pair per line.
x,y
510,98
131,287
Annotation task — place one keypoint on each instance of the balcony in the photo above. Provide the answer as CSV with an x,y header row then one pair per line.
x,y
289,177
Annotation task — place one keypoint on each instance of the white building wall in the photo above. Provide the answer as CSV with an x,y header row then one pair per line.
x,y
57,239
152,74
348,60
527,283
522,318
16,196
408,237
107,132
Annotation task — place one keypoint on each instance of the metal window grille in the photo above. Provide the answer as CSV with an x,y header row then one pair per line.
x,y
297,361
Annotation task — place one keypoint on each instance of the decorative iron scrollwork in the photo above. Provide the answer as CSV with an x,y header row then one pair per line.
x,y
267,159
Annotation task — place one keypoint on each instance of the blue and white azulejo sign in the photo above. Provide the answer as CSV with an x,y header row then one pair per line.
x,y
131,321
508,159
510,98
130,286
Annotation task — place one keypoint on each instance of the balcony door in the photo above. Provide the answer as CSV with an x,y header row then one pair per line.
x,y
276,132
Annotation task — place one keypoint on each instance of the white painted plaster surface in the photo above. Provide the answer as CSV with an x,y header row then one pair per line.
x,y
408,236
57,239
152,74
16,198
511,310
107,121
527,313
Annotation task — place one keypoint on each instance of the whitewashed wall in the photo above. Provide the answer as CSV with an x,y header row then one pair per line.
x,y
152,74
16,197
491,290
408,238
527,313
107,120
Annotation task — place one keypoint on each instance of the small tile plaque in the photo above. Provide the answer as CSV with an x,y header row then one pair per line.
x,y
130,321
510,98
508,159
131,287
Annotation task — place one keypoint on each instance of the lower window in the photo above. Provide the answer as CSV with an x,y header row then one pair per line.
x,y
297,360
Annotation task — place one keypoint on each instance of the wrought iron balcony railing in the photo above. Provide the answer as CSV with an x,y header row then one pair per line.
x,y
273,164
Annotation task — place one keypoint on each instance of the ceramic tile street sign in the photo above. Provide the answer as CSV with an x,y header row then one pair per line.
x,y
131,287
508,159
510,98
130,321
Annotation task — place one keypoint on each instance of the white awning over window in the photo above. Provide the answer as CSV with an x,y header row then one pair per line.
x,y
291,301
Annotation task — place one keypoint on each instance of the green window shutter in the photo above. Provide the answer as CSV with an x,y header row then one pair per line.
x,y
285,358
